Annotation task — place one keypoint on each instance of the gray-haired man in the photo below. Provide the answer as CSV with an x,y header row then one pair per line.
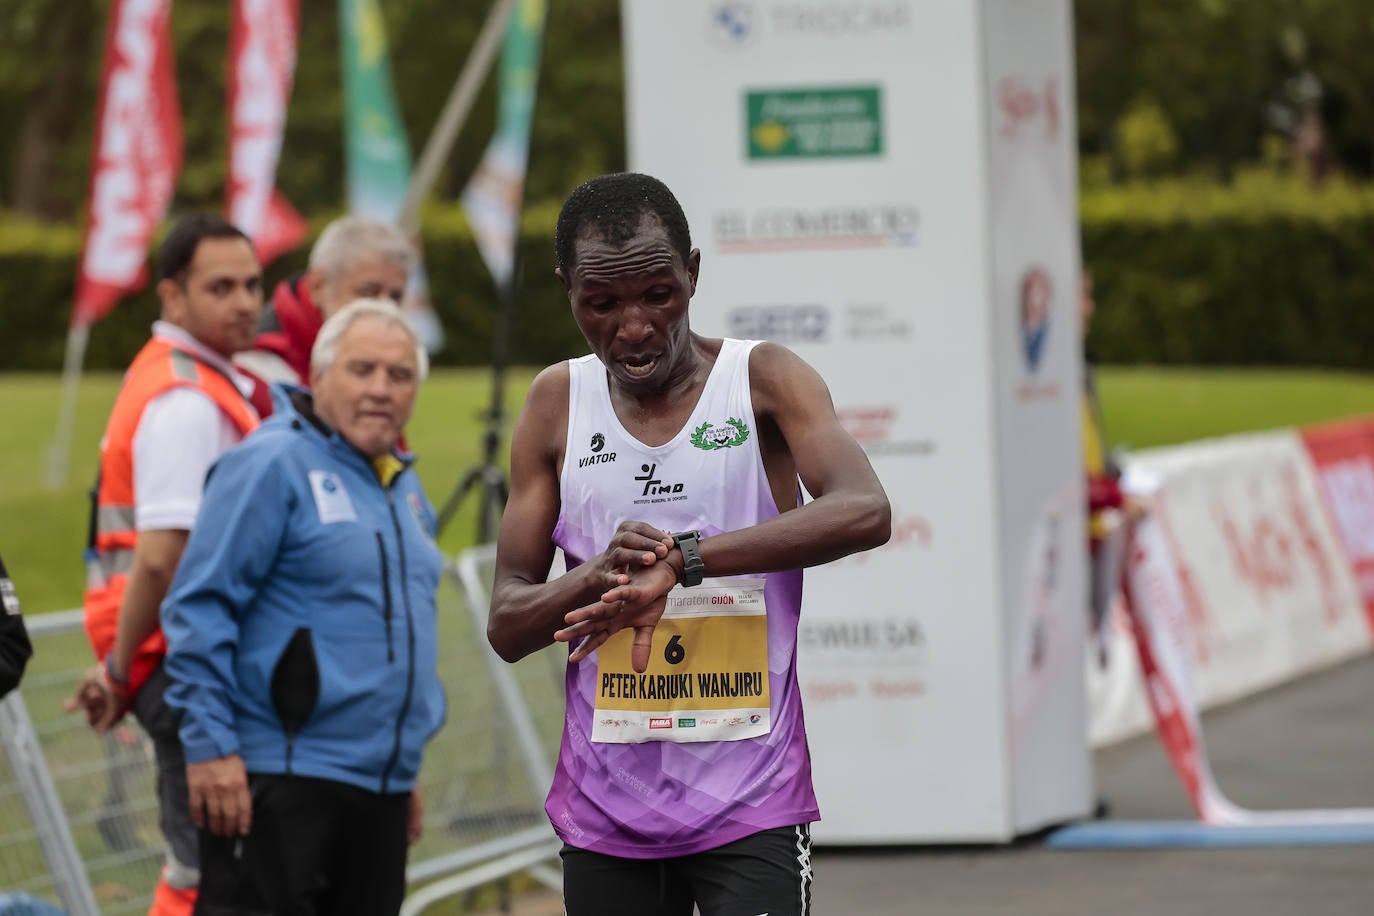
x,y
354,258
301,639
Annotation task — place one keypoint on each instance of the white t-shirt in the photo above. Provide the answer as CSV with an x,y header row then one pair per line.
x,y
181,433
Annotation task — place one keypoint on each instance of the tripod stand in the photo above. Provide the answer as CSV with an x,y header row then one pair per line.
x,y
487,478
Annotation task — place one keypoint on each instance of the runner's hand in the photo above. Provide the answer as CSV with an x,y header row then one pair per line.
x,y
635,545
638,603
220,800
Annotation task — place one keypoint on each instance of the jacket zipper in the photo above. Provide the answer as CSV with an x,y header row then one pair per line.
x,y
410,644
386,592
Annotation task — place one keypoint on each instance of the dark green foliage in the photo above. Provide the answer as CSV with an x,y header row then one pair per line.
x,y
38,266
1266,272
1250,276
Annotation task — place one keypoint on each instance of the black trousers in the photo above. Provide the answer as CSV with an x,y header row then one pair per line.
x,y
316,847
766,873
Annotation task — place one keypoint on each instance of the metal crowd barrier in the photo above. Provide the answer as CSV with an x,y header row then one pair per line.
x,y
78,813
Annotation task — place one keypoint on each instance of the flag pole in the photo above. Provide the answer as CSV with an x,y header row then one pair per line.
x,y
59,451
455,113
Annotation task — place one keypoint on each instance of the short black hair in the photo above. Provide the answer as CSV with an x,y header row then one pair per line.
x,y
178,249
613,206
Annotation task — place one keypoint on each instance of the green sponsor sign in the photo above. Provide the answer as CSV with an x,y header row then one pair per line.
x,y
686,723
819,123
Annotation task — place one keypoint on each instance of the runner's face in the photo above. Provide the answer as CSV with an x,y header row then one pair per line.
x,y
220,298
630,301
369,278
368,392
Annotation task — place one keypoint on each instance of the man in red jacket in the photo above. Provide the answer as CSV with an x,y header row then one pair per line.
x,y
354,258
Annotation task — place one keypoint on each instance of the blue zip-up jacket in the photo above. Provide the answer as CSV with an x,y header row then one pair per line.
x,y
301,623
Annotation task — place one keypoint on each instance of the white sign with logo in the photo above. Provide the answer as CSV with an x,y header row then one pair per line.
x,y
850,177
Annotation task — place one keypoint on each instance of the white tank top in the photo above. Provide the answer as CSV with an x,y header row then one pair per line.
x,y
709,745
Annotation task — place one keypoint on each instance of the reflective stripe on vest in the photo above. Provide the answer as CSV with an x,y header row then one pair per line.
x,y
104,565
109,519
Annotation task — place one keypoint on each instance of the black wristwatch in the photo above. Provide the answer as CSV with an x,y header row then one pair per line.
x,y
692,568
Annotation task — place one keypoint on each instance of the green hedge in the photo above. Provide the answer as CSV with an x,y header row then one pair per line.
x,y
38,270
1263,272
1266,272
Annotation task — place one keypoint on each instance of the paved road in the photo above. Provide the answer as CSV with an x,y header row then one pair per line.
x,y
1305,745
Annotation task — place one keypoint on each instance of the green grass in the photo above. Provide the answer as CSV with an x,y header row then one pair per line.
x,y
1148,407
44,531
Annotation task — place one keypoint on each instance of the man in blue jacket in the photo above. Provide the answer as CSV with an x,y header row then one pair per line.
x,y
301,638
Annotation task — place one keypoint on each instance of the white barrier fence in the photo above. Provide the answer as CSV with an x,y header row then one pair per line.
x,y
1269,589
78,815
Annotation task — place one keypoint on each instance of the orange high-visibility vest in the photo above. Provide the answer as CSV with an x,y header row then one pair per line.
x,y
159,367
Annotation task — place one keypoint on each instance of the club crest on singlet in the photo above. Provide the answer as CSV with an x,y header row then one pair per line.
x,y
707,678
711,436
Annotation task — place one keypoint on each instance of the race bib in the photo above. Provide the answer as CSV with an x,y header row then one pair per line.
x,y
708,671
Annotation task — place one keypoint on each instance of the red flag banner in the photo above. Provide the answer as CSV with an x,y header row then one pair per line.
x,y
262,64
137,156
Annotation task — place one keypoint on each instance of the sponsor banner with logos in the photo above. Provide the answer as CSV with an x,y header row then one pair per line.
x,y
137,156
1344,457
1162,612
836,177
1269,592
1037,366
262,65
1254,528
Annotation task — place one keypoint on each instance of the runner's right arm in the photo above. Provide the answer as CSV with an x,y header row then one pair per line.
x,y
526,608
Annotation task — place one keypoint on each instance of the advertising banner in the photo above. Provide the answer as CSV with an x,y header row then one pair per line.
x,y
1343,454
1251,526
492,198
137,156
377,160
1037,352
1162,622
833,162
377,150
262,65
1269,591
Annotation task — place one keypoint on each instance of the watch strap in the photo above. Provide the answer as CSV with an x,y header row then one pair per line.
x,y
693,569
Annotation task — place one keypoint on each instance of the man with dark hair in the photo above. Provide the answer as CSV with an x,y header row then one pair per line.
x,y
668,467
15,648
614,208
181,406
